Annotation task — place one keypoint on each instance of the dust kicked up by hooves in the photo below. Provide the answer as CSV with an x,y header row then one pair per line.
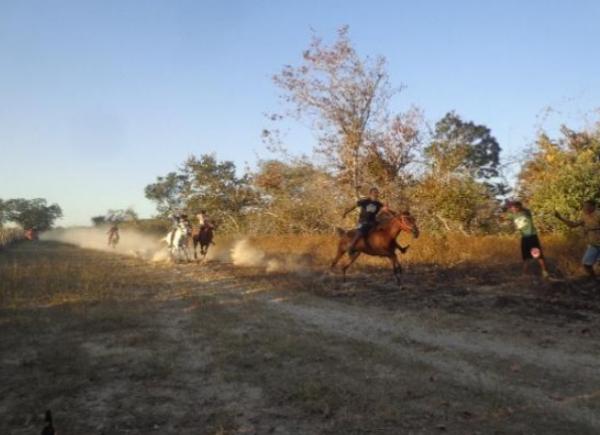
x,y
241,253
132,243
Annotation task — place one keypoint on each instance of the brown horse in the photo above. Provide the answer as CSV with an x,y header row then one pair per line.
x,y
202,236
380,242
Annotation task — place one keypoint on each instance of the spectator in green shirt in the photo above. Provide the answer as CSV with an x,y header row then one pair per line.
x,y
531,248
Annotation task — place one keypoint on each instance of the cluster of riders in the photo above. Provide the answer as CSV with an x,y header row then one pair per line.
x,y
181,237
378,229
183,234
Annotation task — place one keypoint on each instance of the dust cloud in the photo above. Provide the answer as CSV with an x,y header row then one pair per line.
x,y
131,242
244,254
240,252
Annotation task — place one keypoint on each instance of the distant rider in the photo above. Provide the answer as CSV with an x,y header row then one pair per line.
x,y
175,220
113,234
179,220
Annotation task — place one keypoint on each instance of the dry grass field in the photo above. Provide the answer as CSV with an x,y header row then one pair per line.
x,y
9,235
263,339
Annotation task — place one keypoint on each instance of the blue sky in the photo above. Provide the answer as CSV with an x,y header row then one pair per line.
x,y
97,98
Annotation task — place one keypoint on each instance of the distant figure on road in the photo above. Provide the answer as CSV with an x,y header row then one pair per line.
x,y
590,221
113,235
531,248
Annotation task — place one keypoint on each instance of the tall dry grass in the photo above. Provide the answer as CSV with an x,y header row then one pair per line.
x,y
563,252
41,274
10,235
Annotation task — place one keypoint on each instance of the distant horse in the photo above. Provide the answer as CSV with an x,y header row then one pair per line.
x,y
202,236
380,242
113,240
178,240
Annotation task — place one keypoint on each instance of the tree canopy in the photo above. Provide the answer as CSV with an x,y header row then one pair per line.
x,y
31,213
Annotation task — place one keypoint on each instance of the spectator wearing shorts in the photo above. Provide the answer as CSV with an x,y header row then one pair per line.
x,y
531,248
590,221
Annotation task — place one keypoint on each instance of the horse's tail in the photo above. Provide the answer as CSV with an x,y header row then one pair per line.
x,y
340,231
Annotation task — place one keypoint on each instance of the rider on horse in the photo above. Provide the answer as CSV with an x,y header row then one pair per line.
x,y
113,233
369,209
177,219
202,219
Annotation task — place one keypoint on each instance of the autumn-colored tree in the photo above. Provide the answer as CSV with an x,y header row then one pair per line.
x,y
343,96
295,196
391,153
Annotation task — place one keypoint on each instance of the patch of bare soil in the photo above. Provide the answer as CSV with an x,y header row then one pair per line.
x,y
217,349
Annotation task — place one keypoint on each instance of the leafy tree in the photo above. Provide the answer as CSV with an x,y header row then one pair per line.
x,y
457,192
98,221
32,213
561,173
121,215
167,192
214,186
116,216
456,203
463,146
204,183
342,95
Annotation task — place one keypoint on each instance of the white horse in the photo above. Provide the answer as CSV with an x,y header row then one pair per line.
x,y
178,240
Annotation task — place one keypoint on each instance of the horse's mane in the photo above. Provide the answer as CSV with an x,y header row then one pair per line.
x,y
384,222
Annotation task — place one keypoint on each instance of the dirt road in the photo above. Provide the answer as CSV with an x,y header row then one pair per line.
x,y
218,349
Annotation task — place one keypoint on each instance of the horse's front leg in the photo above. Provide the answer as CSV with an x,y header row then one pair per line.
x,y
353,258
396,268
186,251
338,256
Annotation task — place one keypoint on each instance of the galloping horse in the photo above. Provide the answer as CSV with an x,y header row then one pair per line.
x,y
178,240
202,236
113,240
380,242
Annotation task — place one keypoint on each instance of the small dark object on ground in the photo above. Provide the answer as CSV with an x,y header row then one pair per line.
x,y
49,428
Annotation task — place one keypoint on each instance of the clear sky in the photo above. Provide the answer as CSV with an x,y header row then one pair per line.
x,y
97,98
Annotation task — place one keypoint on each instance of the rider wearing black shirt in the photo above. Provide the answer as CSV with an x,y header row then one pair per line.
x,y
369,209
